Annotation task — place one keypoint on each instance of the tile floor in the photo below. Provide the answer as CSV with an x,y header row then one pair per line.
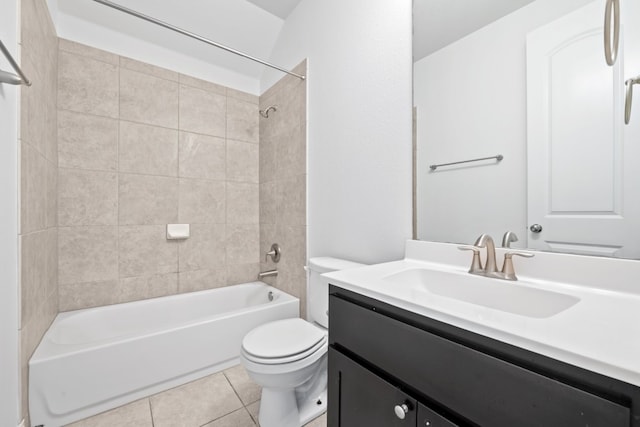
x,y
225,399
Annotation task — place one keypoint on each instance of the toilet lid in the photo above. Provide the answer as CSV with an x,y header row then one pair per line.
x,y
282,338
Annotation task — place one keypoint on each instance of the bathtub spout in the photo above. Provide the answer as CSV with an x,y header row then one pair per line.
x,y
267,273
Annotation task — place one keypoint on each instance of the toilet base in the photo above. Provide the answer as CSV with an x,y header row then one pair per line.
x,y
279,408
312,409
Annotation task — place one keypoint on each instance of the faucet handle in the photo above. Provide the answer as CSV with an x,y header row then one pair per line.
x,y
274,253
476,264
508,271
508,238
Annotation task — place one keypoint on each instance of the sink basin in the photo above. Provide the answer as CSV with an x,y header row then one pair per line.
x,y
509,296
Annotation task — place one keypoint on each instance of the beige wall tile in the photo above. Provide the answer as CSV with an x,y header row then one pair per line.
x,y
151,286
148,149
243,243
267,161
242,161
76,296
292,201
152,70
202,84
239,418
242,203
242,273
202,156
87,198
51,255
87,254
195,404
247,390
202,201
51,196
88,86
148,199
87,142
243,96
269,202
38,245
242,120
199,280
33,273
202,111
33,190
205,249
145,250
148,99
291,153
136,414
88,51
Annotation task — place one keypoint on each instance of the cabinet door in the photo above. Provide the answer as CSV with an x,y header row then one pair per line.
x,y
429,418
364,399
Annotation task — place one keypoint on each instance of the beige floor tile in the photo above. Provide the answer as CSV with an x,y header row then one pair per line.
x,y
136,414
195,404
254,409
240,418
321,421
248,391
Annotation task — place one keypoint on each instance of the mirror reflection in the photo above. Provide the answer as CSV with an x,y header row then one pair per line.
x,y
527,81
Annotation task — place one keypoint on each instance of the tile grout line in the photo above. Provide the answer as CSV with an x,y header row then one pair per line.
x,y
240,399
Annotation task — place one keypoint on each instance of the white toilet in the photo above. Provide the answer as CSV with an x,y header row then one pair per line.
x,y
288,358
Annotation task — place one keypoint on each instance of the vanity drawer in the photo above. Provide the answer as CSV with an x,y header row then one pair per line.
x,y
478,387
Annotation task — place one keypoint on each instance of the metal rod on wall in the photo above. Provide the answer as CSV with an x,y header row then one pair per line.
x,y
12,79
499,157
193,36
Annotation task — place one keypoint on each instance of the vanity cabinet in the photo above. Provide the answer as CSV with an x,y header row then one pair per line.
x,y
382,357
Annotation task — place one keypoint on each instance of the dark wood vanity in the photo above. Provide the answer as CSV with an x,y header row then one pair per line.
x,y
391,367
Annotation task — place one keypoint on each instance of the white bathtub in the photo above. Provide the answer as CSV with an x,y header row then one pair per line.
x,y
97,359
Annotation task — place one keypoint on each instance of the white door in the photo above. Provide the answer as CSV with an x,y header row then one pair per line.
x,y
582,161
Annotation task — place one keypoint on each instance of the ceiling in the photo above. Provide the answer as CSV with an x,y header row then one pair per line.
x,y
249,26
279,8
438,23
253,26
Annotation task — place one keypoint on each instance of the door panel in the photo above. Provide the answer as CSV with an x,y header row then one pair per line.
x,y
366,399
579,176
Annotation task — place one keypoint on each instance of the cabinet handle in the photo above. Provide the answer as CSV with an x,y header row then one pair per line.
x,y
401,410
628,100
611,51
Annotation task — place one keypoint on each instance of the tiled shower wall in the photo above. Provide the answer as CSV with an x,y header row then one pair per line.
x,y
38,181
283,178
140,147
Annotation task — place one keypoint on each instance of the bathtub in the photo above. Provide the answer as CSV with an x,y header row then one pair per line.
x,y
97,359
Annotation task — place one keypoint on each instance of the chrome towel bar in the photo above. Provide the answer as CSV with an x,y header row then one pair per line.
x,y
10,78
499,158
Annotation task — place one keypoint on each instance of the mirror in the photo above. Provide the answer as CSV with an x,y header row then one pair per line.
x,y
525,80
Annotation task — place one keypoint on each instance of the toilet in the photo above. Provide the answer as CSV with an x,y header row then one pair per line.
x,y
288,358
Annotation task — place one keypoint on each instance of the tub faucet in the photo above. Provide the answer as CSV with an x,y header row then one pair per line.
x,y
486,241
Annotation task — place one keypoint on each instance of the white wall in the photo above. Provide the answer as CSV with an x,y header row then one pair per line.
x,y
359,123
471,101
9,366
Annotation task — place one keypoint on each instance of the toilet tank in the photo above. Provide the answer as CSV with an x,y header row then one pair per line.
x,y
318,292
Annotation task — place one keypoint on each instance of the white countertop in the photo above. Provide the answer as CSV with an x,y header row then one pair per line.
x,y
600,333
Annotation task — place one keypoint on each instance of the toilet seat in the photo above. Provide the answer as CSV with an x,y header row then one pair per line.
x,y
283,341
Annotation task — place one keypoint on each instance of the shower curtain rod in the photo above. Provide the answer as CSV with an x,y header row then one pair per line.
x,y
193,36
